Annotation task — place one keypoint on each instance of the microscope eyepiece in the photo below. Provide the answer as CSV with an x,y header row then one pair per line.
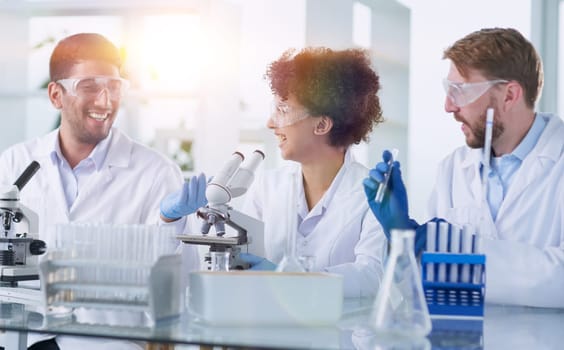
x,y
27,175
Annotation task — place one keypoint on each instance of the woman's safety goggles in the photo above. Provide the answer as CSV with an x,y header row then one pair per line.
x,y
282,114
91,87
462,94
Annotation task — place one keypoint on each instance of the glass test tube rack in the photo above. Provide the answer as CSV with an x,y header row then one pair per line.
x,y
125,268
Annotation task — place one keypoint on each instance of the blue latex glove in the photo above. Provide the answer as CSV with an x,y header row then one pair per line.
x,y
258,263
392,212
187,200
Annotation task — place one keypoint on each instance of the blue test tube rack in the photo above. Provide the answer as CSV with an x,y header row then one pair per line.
x,y
455,297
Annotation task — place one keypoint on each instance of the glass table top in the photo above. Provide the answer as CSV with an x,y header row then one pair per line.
x,y
501,327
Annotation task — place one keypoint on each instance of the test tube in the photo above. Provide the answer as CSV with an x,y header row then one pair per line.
x,y
466,248
431,247
454,248
384,184
477,273
443,247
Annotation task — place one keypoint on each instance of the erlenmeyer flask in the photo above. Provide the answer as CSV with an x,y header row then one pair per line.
x,y
400,307
290,261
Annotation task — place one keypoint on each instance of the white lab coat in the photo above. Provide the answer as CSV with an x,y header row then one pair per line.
x,y
525,252
126,190
347,240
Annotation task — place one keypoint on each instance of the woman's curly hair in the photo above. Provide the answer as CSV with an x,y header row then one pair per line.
x,y
338,84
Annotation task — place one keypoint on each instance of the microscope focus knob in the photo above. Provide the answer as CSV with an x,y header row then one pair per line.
x,y
37,247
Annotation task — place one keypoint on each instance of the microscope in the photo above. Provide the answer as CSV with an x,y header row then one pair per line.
x,y
18,247
232,181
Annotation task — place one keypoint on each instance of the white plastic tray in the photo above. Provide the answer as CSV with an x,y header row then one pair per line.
x,y
253,298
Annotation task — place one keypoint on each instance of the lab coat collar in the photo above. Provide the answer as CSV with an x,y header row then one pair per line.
x,y
472,158
341,177
98,154
531,138
546,150
549,145
47,144
333,190
541,158
119,151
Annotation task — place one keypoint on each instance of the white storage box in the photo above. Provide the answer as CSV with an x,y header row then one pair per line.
x,y
260,298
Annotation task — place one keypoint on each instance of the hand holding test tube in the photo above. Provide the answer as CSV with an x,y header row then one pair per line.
x,y
384,185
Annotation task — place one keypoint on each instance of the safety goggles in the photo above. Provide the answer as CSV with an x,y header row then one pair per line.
x,y
462,94
282,114
91,87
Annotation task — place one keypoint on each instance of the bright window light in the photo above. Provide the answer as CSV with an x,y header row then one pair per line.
x,y
362,25
171,52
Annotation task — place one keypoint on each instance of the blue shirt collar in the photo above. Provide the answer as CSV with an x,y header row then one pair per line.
x,y
98,154
531,139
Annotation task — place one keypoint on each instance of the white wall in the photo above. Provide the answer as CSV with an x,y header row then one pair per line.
x,y
13,80
432,133
267,27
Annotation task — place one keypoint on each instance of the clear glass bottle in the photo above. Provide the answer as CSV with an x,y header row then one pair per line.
x,y
400,307
290,261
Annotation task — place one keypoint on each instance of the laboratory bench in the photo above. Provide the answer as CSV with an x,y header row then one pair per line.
x,y
502,327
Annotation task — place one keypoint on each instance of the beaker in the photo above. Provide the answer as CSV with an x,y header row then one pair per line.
x,y
400,307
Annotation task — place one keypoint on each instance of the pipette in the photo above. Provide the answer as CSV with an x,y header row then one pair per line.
x,y
384,184
485,173
487,152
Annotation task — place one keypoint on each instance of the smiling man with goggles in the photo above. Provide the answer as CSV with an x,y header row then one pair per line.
x,y
90,87
283,114
462,94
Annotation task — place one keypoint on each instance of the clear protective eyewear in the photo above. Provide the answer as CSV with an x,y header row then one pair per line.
x,y
91,87
462,94
282,114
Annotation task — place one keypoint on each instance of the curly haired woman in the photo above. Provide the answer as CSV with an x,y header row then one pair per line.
x,y
324,102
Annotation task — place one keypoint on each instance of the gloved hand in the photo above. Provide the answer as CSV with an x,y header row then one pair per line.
x,y
258,263
187,200
392,212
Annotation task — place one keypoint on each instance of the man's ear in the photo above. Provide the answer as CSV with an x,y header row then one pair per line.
x,y
513,93
55,92
323,125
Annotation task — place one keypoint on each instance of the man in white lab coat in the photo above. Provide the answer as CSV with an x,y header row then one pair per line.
x,y
524,242
90,171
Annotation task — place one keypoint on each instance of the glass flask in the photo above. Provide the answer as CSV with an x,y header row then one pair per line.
x,y
290,262
400,307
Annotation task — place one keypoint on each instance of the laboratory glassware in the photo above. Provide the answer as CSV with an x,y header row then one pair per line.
x,y
400,308
384,184
219,261
307,262
484,230
290,261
